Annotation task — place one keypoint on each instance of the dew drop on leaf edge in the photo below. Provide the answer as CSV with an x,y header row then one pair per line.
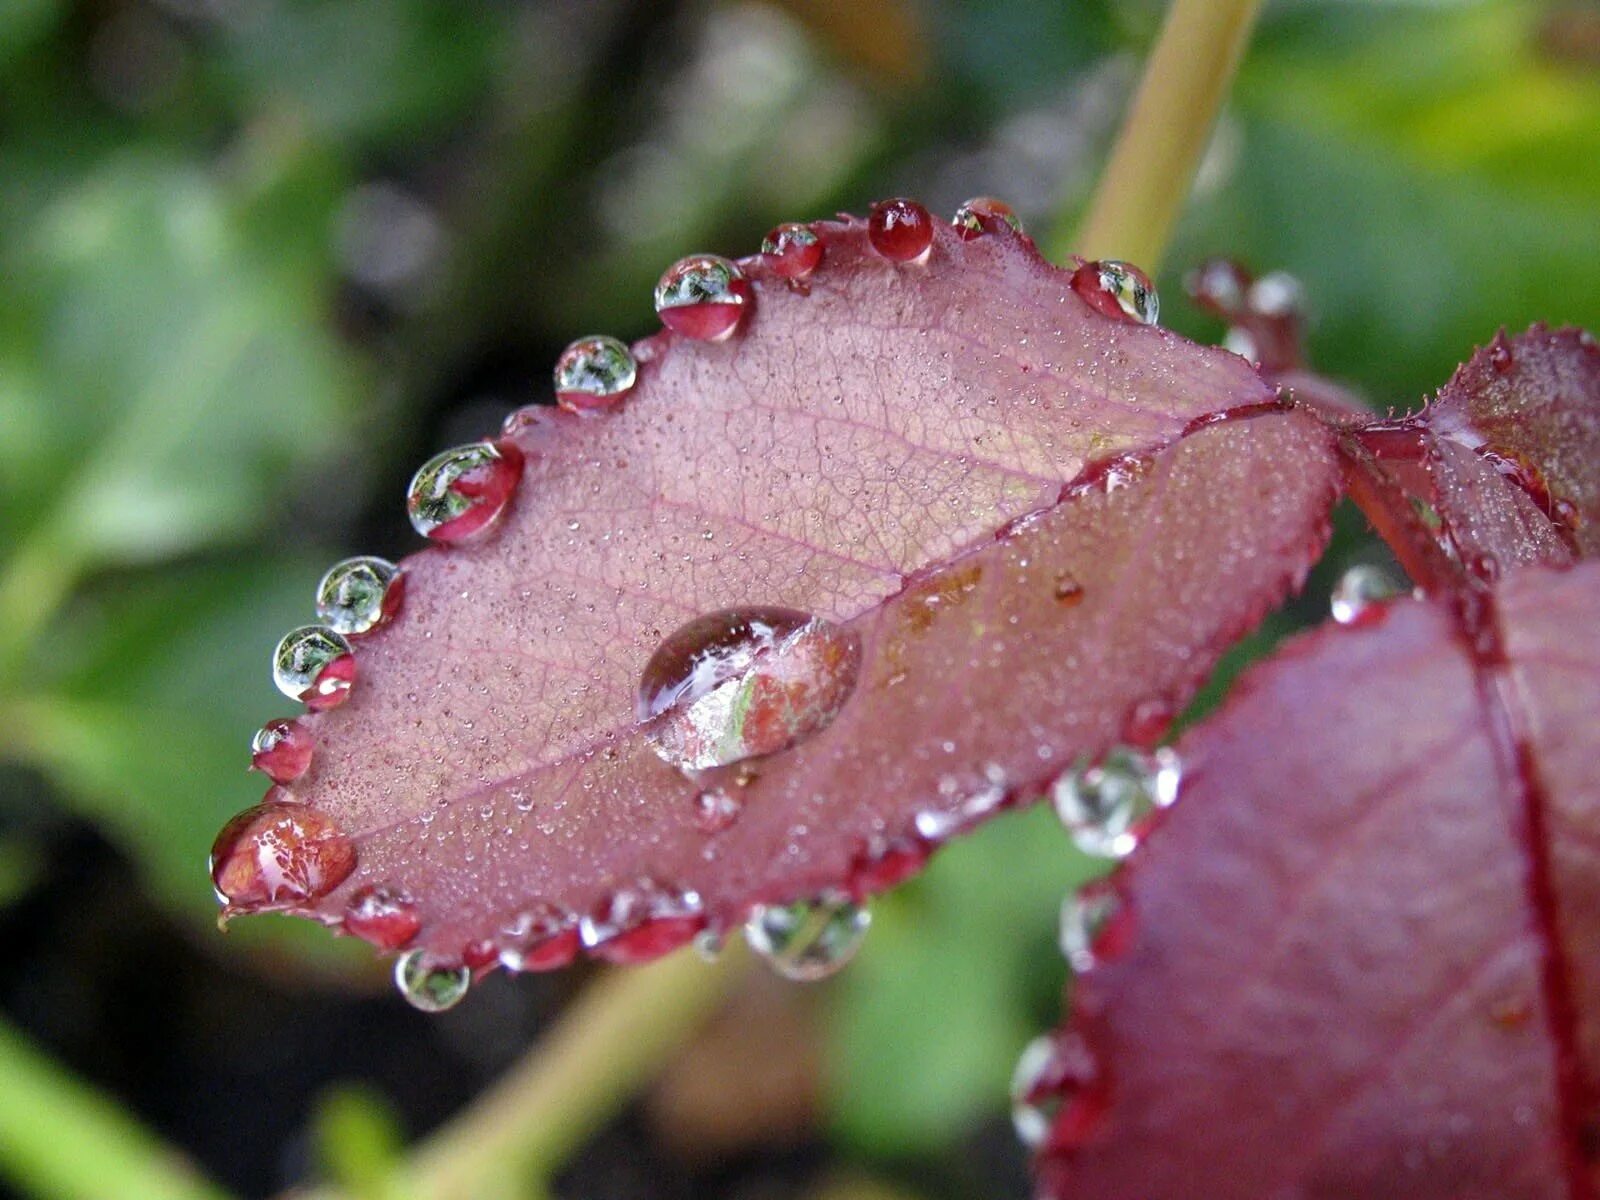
x,y
808,940
594,373
1102,805
357,595
429,987
315,665
458,494
703,297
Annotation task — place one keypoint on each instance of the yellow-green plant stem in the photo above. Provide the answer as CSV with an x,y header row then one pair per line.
x,y
584,1070
62,1140
1147,179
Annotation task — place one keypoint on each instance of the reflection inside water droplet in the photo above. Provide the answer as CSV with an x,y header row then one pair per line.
x,y
1091,920
281,750
1055,1071
593,373
1118,289
314,665
808,940
428,987
1358,597
1103,805
984,213
359,594
733,685
458,494
702,297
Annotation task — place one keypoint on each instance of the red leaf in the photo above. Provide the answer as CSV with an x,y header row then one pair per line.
x,y
1364,958
1531,404
888,447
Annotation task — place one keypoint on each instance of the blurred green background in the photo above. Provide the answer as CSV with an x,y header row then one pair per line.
x,y
259,257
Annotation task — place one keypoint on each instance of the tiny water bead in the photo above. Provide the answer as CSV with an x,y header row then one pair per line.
x,y
314,664
900,230
792,250
808,940
716,809
1359,596
1102,806
703,297
983,214
642,921
281,750
1118,289
428,986
359,594
384,918
594,373
540,938
740,683
1058,1092
1096,925
459,493
279,853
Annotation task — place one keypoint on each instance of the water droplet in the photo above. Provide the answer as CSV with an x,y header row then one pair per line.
x,y
359,594
810,939
1359,595
384,918
1096,926
708,944
1118,289
1148,721
459,493
1058,1093
542,938
900,230
1485,566
430,987
314,665
715,809
1102,806
744,682
984,214
941,824
703,297
594,373
792,250
642,922
279,853
281,750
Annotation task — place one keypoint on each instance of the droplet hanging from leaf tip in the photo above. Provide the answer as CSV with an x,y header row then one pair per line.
x,y
1359,595
809,939
429,987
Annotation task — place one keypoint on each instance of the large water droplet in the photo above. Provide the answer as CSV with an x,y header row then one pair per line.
x,y
900,230
1119,290
1058,1092
984,214
641,922
1103,805
1359,596
281,750
703,297
386,919
594,373
541,938
459,493
279,853
1096,925
359,594
792,250
810,939
314,665
428,986
744,682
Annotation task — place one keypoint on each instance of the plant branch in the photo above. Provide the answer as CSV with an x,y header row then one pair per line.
x,y
62,1140
1166,130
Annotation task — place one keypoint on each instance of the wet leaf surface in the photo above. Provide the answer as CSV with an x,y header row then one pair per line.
x,y
902,451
